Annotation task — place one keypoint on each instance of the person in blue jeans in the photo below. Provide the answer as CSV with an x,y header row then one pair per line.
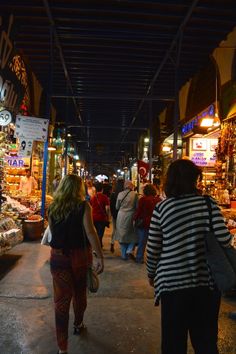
x,y
142,218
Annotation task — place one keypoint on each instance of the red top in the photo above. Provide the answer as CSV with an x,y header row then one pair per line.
x,y
146,204
99,203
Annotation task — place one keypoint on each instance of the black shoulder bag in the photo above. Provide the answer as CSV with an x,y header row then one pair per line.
x,y
221,260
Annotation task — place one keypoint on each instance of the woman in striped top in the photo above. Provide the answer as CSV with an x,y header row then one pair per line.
x,y
177,266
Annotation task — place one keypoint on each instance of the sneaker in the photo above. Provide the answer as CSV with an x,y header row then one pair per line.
x,y
79,329
131,256
140,261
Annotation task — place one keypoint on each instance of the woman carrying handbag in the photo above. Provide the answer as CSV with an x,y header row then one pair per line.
x,y
73,238
100,210
142,218
177,263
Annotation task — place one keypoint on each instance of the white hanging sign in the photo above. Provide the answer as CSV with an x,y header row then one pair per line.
x,y
31,128
5,118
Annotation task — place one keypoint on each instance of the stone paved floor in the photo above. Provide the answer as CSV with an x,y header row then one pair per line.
x,y
121,318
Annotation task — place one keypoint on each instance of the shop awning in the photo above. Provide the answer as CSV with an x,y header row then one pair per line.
x,y
232,111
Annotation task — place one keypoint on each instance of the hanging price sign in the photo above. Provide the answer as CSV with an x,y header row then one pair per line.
x,y
5,118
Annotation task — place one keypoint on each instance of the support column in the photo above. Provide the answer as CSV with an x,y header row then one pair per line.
x,y
47,116
176,107
150,141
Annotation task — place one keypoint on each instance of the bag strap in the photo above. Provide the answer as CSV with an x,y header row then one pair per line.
x,y
208,202
124,198
101,208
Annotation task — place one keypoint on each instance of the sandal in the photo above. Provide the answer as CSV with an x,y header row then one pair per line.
x,y
79,329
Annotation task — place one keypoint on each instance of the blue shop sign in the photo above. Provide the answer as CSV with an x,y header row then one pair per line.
x,y
188,127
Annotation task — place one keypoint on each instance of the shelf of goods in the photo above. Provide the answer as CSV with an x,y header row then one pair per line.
x,y
12,178
10,234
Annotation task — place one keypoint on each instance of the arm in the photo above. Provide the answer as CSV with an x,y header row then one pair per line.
x,y
20,186
107,208
108,211
154,245
93,237
220,229
118,202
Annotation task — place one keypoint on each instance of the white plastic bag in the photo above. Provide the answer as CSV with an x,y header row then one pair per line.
x,y
47,237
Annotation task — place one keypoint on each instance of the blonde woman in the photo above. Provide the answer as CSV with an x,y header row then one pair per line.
x,y
73,238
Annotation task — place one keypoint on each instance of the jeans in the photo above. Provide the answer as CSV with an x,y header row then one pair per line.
x,y
100,227
142,241
126,249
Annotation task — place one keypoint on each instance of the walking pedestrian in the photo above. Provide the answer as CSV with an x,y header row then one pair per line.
x,y
117,188
73,238
142,217
177,266
101,210
126,205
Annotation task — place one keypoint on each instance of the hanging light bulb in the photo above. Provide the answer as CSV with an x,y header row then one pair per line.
x,y
216,121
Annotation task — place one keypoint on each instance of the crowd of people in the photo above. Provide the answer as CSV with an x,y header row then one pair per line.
x,y
171,228
129,213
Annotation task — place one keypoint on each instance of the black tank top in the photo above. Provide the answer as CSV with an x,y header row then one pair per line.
x,y
69,233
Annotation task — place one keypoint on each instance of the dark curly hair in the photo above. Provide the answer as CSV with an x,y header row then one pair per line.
x,y
149,189
181,178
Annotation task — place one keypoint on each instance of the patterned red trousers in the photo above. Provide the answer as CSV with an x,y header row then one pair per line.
x,y
69,283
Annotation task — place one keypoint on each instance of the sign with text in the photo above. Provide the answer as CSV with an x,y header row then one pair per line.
x,y
31,128
15,161
25,149
13,76
202,151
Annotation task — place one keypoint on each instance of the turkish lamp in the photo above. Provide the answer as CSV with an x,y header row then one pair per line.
x,y
207,122
166,148
51,148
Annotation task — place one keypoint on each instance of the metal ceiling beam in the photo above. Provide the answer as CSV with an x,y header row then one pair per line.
x,y
163,62
105,127
116,97
104,142
51,20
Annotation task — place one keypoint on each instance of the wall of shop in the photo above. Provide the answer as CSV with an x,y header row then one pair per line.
x,y
224,56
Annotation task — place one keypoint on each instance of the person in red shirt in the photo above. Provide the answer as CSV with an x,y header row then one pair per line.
x,y
146,204
101,210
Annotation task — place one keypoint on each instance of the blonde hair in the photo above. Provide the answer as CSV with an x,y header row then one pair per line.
x,y
69,194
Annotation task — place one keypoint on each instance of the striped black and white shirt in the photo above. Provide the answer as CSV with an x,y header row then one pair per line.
x,y
175,248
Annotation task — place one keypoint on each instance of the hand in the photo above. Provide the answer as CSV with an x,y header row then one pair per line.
x,y
99,265
151,282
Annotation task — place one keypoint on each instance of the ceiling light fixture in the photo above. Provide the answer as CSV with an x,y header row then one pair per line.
x,y
51,148
207,122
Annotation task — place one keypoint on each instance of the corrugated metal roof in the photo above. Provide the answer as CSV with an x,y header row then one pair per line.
x,y
112,57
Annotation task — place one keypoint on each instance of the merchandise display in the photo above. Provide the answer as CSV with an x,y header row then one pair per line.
x,y
230,220
10,234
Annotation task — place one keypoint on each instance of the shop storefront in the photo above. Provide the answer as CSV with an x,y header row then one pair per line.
x,y
19,209
200,140
167,151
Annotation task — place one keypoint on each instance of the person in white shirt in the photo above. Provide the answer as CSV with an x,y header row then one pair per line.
x,y
27,183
